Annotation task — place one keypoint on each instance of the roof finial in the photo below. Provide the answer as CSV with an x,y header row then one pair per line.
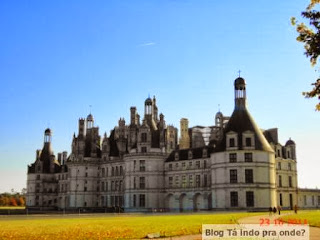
x,y
90,106
219,107
239,72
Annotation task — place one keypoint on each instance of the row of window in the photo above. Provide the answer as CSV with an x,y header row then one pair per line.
x,y
233,157
289,181
189,165
233,143
280,166
142,183
188,181
115,201
141,198
190,155
142,166
115,171
312,200
114,186
285,155
234,199
234,176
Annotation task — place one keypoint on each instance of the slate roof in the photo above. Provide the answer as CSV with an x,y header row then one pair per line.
x,y
239,122
184,153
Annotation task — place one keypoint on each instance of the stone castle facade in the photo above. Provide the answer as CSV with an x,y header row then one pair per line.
x,y
142,166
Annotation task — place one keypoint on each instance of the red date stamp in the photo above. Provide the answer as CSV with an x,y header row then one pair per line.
x,y
280,221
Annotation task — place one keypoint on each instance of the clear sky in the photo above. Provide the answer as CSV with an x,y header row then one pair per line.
x,y
59,57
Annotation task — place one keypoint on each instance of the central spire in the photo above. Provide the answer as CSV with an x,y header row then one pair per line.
x,y
240,93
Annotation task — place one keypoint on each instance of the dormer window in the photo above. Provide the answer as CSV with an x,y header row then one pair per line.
x,y
231,142
204,153
176,156
190,154
248,142
143,137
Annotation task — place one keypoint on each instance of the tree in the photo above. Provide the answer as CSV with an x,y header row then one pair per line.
x,y
13,202
310,36
21,201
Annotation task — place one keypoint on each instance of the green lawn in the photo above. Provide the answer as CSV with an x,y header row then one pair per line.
x,y
312,217
110,226
11,207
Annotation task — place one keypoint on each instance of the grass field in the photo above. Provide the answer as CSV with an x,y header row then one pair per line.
x,y
311,217
11,208
123,226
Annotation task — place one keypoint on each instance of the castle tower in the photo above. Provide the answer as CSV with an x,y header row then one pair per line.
x,y
82,127
184,142
155,109
90,121
244,158
46,153
133,116
240,92
47,136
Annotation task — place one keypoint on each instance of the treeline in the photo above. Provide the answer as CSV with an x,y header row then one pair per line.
x,y
12,199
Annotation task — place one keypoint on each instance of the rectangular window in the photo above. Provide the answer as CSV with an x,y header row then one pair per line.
x,y
142,165
305,200
290,181
249,176
170,182
289,166
233,176
280,181
120,185
198,164
143,149
280,199
143,137
142,183
233,157
279,165
248,142
205,180
142,200
112,186
170,166
183,165
312,200
318,200
134,183
231,142
190,165
248,157
198,181
190,181
250,199
234,199
177,181
134,200
184,181
205,164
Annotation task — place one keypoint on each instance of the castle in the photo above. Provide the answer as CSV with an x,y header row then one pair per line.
x,y
143,166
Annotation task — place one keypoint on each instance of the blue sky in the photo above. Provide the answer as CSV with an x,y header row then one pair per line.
x,y
59,57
